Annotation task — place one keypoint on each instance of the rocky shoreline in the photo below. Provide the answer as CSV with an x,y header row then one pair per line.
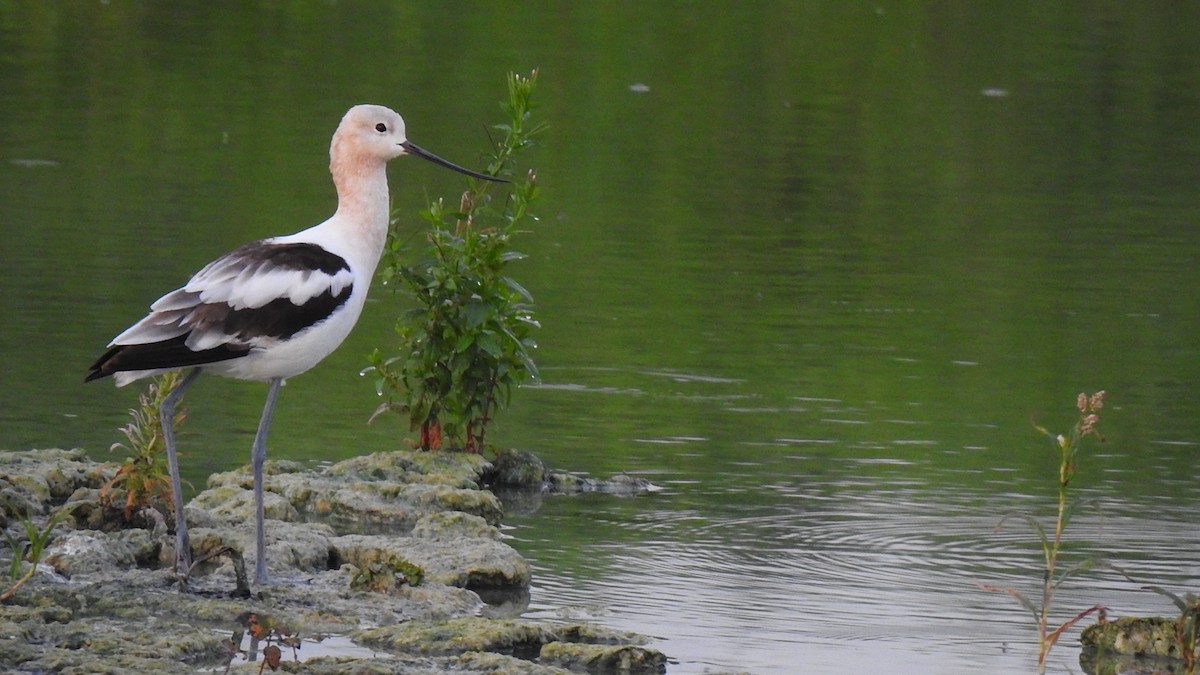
x,y
386,555
382,564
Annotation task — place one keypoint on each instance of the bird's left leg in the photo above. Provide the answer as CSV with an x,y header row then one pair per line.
x,y
258,455
166,415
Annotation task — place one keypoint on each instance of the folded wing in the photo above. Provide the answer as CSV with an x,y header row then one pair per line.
x,y
256,296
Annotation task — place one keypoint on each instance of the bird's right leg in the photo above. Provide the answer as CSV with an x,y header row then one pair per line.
x,y
166,414
258,457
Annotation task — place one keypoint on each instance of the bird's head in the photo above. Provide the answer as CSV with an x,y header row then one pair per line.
x,y
377,132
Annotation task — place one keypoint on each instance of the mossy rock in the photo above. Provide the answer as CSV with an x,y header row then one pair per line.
x,y
235,504
568,646
457,636
389,489
624,659
454,469
1133,645
517,468
91,551
474,563
1139,636
454,525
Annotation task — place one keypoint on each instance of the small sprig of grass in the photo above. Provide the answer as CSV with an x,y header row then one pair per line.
x,y
1053,575
30,550
144,477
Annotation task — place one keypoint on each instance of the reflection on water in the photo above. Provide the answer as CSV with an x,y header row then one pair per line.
x,y
333,646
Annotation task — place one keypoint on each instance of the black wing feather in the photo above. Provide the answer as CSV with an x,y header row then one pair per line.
x,y
171,353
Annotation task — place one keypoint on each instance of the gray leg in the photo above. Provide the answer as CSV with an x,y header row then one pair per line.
x,y
258,455
166,415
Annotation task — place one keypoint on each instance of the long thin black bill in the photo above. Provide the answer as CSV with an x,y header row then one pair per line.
x,y
414,149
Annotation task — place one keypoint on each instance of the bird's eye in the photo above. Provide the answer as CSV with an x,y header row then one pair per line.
x,y
381,128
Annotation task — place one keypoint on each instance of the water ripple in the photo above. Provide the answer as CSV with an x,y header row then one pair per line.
x,y
850,569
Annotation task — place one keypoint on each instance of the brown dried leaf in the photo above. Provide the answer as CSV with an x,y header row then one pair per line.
x,y
272,655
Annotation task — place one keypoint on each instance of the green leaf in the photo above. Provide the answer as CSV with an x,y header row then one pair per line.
x,y
1033,523
508,281
489,344
1084,566
530,367
1179,602
464,343
477,313
1018,596
459,364
1073,507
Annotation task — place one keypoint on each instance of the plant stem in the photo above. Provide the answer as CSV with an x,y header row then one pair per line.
x,y
1045,640
20,582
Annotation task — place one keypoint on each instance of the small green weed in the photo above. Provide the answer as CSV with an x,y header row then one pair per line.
x,y
1052,575
144,478
30,550
467,343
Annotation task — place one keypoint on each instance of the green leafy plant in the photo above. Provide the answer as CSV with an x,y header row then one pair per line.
x,y
30,550
467,343
1053,575
143,477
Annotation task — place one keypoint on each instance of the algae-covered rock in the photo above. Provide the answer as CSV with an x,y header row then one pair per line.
x,y
35,481
453,525
592,658
15,504
385,571
87,510
501,664
1133,635
94,552
624,485
457,636
517,468
474,563
292,548
234,503
514,470
474,663
391,490
454,469
572,647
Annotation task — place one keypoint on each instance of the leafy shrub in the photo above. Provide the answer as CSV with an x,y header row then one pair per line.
x,y
467,343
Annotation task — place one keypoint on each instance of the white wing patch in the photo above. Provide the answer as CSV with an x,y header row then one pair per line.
x,y
245,280
254,296
255,287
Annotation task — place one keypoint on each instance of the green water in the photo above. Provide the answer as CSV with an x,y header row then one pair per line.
x,y
810,267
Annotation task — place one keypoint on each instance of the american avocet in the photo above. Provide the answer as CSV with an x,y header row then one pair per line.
x,y
273,308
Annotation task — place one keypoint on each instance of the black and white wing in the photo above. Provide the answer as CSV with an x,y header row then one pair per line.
x,y
257,295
